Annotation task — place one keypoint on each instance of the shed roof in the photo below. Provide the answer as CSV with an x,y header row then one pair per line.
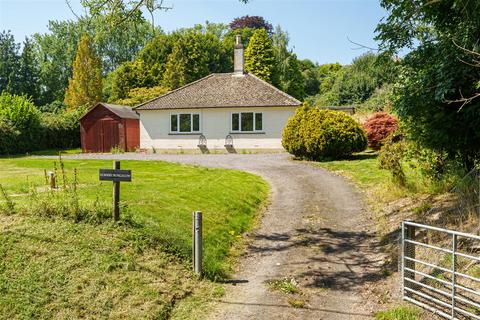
x,y
222,90
123,112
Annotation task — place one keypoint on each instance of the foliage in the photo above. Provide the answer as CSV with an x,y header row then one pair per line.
x,y
399,313
259,56
29,72
8,62
56,49
440,74
323,134
140,95
254,22
354,84
19,122
292,135
194,55
54,107
130,75
391,156
287,74
23,128
378,127
85,86
61,130
380,100
286,285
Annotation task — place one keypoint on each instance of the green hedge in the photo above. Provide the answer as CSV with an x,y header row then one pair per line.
x,y
23,128
318,134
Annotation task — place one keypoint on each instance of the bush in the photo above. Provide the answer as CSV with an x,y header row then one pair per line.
x,y
318,134
391,156
292,136
23,128
61,130
378,127
19,124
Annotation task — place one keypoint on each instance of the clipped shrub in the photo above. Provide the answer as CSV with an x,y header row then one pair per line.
x,y
378,127
319,134
292,136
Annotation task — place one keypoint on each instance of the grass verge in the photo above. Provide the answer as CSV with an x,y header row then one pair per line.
x,y
56,266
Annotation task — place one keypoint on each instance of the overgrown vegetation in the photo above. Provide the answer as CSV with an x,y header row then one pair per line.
x,y
399,313
23,128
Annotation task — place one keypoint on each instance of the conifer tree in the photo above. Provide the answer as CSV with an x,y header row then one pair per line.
x,y
85,87
29,73
259,56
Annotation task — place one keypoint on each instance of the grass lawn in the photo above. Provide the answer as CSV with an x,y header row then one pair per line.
x,y
52,267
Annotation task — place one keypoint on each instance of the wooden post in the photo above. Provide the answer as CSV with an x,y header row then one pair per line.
x,y
116,194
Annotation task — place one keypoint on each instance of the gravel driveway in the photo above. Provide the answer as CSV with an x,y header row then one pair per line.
x,y
315,231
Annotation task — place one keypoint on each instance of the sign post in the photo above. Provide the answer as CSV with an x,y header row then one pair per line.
x,y
116,176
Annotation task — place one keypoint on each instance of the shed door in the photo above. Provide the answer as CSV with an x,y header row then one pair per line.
x,y
110,134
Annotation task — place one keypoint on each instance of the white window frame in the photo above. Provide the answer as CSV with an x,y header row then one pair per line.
x,y
255,130
191,122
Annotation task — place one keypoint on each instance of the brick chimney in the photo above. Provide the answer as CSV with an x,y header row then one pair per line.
x,y
238,59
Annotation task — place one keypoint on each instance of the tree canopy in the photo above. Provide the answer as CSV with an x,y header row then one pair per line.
x,y
85,86
438,95
259,56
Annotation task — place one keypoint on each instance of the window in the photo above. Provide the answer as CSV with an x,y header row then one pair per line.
x,y
247,122
185,123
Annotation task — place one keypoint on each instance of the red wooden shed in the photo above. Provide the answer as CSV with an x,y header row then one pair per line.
x,y
108,126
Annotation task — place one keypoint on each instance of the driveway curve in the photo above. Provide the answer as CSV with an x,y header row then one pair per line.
x,y
315,231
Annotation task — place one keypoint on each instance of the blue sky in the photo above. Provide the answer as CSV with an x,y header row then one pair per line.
x,y
319,29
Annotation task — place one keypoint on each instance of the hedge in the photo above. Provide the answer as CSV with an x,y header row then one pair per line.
x,y
23,128
319,134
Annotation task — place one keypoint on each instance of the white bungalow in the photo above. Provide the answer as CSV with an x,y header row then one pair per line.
x,y
223,110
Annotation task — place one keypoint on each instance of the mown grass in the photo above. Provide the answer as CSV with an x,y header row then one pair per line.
x,y
55,267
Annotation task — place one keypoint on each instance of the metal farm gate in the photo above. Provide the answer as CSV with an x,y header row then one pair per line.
x,y
440,270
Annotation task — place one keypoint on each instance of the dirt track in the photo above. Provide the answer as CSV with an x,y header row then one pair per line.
x,y
315,231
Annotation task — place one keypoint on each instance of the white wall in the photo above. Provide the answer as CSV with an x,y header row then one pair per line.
x,y
215,125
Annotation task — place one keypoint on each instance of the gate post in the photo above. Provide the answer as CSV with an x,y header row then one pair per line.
x,y
408,252
197,246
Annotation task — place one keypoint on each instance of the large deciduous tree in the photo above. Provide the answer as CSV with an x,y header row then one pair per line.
x,y
194,56
85,86
438,95
253,22
287,74
259,56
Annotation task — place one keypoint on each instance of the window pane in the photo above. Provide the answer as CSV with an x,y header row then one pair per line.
x,y
247,121
185,122
196,122
258,121
235,122
173,122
